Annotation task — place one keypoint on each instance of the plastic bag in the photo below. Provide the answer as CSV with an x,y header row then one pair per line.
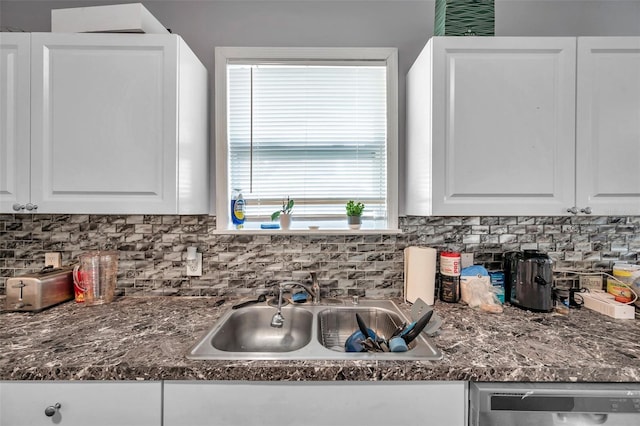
x,y
476,290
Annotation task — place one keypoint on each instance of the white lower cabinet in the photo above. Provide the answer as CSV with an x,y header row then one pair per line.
x,y
333,403
81,403
229,403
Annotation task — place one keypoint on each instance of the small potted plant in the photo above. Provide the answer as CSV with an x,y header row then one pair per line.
x,y
284,214
354,214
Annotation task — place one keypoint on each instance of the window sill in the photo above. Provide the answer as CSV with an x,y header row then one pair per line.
x,y
307,232
300,226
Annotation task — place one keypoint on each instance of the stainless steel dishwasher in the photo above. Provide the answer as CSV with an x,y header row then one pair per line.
x,y
551,404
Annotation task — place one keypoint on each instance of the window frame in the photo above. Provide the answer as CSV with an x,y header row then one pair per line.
x,y
224,55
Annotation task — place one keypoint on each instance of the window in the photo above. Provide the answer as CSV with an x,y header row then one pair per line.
x,y
316,125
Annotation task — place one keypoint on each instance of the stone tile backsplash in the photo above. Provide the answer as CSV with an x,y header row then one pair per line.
x,y
153,249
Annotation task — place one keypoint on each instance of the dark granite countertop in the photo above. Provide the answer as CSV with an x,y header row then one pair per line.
x,y
147,339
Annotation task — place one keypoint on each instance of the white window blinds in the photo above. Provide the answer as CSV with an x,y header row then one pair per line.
x,y
315,133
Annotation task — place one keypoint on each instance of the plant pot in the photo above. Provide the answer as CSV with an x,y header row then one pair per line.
x,y
354,222
285,221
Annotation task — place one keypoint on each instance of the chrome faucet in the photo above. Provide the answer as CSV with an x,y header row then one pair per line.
x,y
315,288
314,291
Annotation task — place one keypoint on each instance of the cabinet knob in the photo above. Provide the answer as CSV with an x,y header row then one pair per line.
x,y
51,410
31,207
586,210
17,207
572,210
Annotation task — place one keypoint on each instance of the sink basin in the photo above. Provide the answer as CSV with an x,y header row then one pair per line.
x,y
337,324
249,330
309,332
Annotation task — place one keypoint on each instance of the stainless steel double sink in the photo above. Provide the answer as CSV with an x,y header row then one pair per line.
x,y
309,332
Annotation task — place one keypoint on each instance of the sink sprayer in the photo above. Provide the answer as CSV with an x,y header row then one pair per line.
x,y
314,291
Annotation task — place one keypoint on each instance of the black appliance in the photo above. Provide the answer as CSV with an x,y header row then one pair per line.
x,y
528,280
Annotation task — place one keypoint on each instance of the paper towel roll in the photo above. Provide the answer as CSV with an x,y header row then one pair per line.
x,y
419,274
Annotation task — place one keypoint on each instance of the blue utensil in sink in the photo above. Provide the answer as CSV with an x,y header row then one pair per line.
x,y
355,342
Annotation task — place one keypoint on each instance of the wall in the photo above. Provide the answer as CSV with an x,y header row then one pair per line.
x,y
152,249
406,25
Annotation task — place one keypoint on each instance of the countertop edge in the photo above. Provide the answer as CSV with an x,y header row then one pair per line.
x,y
277,372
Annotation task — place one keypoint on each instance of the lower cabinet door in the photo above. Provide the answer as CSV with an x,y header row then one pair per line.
x,y
315,403
82,403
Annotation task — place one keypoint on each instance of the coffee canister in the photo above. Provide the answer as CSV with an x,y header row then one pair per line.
x,y
450,277
450,263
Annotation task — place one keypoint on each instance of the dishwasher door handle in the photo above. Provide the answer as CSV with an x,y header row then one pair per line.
x,y
582,418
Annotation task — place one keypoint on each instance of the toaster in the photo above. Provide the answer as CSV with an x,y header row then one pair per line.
x,y
37,291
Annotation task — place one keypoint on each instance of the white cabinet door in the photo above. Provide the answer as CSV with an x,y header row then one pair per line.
x,y
106,124
608,125
14,120
315,403
82,403
491,126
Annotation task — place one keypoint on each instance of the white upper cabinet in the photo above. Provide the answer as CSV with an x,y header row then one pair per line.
x,y
608,125
490,126
118,125
14,120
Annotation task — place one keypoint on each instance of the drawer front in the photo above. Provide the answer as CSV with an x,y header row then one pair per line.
x,y
81,403
315,403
